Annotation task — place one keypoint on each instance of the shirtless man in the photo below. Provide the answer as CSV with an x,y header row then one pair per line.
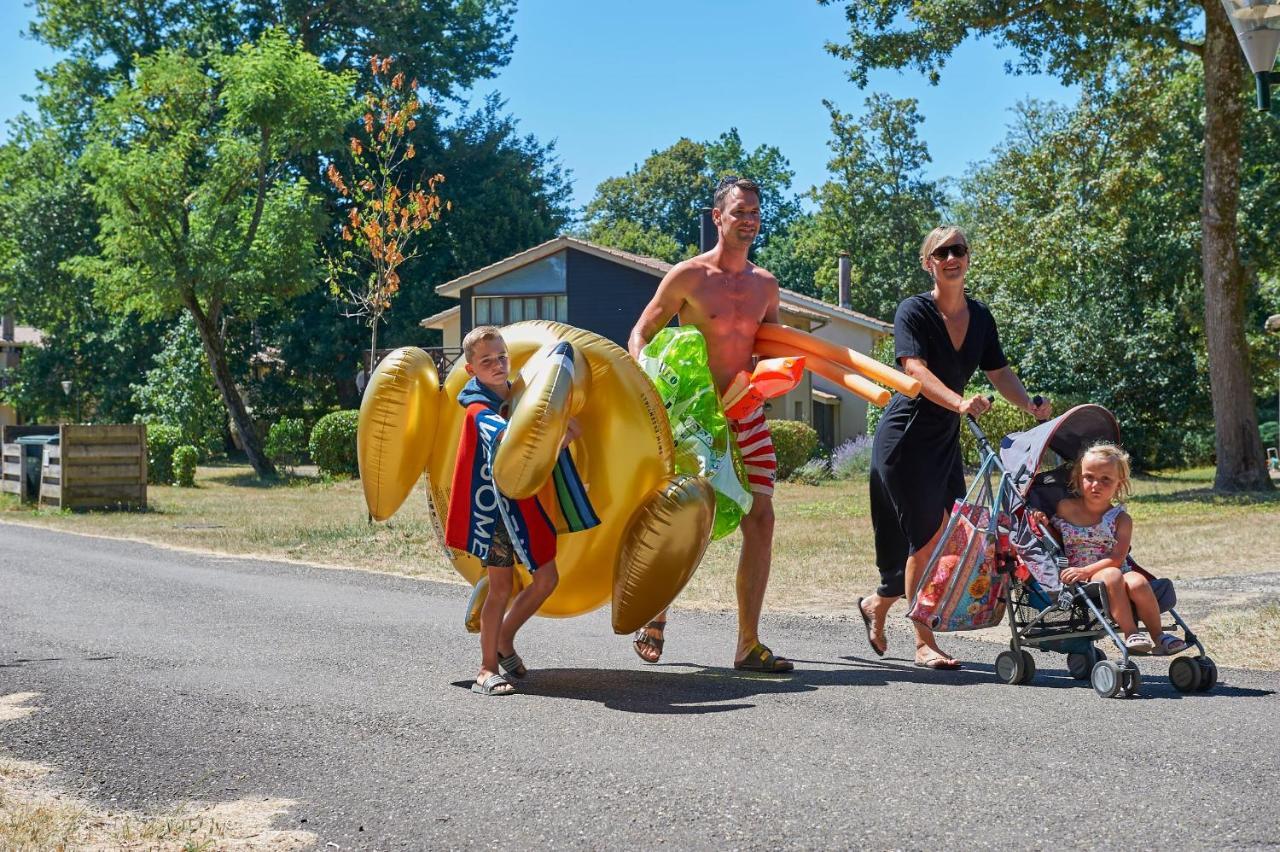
x,y
726,297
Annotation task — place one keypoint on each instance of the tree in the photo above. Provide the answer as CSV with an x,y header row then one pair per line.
x,y
201,211
661,200
1083,233
179,391
1079,41
382,218
877,205
47,218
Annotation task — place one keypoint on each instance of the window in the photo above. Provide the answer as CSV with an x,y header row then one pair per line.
x,y
501,310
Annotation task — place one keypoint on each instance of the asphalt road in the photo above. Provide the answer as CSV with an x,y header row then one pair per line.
x,y
166,676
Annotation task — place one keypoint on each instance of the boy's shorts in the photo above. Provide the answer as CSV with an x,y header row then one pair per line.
x,y
501,553
756,444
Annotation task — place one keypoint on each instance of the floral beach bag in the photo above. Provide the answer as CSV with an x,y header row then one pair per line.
x,y
962,588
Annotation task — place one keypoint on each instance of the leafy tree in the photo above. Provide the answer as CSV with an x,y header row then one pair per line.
x,y
876,207
46,219
179,391
661,200
382,218
1079,42
201,210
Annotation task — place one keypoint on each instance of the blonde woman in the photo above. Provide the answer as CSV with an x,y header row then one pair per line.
x,y
942,338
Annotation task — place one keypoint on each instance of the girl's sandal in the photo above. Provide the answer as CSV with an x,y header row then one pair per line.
x,y
1169,645
649,647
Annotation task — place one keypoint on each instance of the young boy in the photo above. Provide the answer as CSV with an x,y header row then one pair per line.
x,y
485,523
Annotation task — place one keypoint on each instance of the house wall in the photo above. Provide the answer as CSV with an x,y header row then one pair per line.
x,y
853,408
607,297
452,331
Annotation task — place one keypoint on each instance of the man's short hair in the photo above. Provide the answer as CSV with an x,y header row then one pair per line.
x,y
477,334
730,182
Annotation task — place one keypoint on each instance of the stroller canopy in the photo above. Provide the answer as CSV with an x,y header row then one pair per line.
x,y
1067,435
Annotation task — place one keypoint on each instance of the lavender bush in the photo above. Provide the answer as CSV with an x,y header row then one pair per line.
x,y
812,472
852,458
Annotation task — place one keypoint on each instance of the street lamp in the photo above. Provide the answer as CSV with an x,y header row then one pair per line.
x,y
1257,26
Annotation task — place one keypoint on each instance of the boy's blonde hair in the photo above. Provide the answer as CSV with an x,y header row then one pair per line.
x,y
1108,452
477,334
937,237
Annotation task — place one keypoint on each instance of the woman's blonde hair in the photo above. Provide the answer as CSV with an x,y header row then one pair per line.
x,y
1111,453
937,237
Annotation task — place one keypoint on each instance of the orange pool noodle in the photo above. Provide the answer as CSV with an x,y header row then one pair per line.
x,y
802,343
842,376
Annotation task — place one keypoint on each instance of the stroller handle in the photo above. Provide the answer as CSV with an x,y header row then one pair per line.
x,y
972,422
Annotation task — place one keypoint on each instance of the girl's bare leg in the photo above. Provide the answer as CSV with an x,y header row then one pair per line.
x,y
1118,598
1144,599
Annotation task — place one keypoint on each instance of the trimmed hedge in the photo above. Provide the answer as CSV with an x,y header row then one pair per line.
x,y
184,465
333,443
162,441
795,442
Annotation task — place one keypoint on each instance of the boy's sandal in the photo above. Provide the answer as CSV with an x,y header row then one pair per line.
x,y
494,684
1138,643
761,659
645,640
1169,645
513,665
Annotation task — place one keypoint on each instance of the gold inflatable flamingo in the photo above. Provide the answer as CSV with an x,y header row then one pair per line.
x,y
655,524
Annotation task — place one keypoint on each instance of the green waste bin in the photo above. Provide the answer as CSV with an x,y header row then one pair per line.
x,y
32,461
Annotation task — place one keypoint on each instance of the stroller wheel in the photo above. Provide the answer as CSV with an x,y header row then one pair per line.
x,y
1028,667
1106,679
1009,667
1208,674
1080,665
1131,679
1185,674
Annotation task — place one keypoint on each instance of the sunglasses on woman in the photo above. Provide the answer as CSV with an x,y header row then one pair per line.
x,y
956,250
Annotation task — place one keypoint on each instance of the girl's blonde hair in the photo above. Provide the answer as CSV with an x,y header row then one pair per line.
x,y
1111,453
937,237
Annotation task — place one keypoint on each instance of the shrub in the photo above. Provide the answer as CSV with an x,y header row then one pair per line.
x,y
161,442
333,443
1001,420
184,465
179,391
794,442
813,472
852,458
1268,432
287,441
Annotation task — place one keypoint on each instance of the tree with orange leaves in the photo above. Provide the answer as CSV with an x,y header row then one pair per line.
x,y
381,218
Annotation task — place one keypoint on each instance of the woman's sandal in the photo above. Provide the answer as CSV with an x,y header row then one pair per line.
x,y
866,622
645,640
494,685
513,665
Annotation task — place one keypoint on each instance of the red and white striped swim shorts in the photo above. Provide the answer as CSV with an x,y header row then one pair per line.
x,y
756,444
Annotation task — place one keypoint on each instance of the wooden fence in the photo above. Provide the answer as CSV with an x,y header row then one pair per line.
x,y
96,467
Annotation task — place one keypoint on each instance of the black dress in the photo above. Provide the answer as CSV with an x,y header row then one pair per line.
x,y
916,471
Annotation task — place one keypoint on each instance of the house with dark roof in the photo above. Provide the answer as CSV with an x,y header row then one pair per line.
x,y
604,290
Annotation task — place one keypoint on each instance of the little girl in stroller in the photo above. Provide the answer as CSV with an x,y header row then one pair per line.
x,y
1095,533
998,553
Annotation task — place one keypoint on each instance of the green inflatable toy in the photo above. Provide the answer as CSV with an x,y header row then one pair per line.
x,y
676,361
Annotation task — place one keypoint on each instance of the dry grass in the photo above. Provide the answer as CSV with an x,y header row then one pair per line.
x,y
823,550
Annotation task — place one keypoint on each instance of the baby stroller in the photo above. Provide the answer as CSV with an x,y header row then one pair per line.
x,y
999,539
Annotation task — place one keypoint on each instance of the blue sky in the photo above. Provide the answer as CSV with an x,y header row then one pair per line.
x,y
611,82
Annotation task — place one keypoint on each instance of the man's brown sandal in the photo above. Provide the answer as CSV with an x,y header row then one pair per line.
x,y
645,640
